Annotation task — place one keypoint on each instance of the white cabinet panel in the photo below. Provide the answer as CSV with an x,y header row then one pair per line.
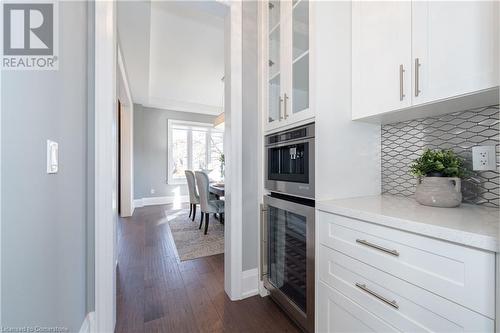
x,y
414,309
371,278
458,273
381,68
337,313
455,44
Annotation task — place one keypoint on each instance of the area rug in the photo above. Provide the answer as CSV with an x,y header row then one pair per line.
x,y
190,241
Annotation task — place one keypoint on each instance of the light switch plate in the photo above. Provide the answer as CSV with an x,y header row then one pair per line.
x,y
484,158
52,157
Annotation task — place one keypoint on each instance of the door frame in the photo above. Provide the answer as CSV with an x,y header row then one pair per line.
x,y
233,141
105,211
105,85
126,137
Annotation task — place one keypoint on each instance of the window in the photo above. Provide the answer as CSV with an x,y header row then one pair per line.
x,y
193,146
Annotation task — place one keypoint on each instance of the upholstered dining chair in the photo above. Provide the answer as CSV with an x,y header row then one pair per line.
x,y
207,205
194,198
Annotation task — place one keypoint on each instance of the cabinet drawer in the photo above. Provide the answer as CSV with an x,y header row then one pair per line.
x,y
337,313
461,274
401,304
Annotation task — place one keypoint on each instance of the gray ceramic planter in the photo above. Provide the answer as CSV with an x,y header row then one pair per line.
x,y
439,191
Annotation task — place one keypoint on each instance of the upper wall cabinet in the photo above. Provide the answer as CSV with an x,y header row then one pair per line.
x,y
409,54
381,42
286,63
455,48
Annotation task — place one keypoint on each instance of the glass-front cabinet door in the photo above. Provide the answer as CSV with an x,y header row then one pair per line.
x,y
274,77
287,57
300,56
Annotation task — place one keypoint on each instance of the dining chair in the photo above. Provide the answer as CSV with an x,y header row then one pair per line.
x,y
207,205
194,198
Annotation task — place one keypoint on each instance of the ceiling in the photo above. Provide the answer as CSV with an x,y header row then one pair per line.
x,y
174,53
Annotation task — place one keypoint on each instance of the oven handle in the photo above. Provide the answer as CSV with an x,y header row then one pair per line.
x,y
263,241
290,142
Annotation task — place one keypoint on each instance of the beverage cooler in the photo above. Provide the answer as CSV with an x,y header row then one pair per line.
x,y
287,250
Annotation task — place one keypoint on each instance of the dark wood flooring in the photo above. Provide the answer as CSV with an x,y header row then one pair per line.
x,y
158,293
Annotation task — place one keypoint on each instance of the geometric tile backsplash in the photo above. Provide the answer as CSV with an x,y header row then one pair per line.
x,y
404,142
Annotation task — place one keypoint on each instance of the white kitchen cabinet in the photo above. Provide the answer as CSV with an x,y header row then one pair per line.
x,y
458,273
409,54
375,278
454,48
337,313
381,46
401,304
286,63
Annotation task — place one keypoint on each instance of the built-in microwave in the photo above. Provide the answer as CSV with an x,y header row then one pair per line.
x,y
289,161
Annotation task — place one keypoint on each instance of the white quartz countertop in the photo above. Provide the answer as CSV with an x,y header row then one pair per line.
x,y
471,225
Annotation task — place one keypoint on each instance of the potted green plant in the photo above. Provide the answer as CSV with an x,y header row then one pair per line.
x,y
439,175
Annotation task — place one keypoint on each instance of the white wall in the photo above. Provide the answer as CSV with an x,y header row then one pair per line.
x,y
134,24
250,144
347,152
126,140
44,216
151,151
187,59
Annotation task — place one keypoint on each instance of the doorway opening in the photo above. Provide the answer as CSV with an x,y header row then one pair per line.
x,y
106,48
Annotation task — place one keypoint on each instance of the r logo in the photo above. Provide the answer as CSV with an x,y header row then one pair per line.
x,y
28,29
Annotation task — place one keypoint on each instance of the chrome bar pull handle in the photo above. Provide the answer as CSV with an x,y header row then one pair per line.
x,y
286,102
401,84
263,241
363,287
417,77
280,108
378,247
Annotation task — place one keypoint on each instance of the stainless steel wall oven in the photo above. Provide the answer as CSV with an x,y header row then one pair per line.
x,y
289,165
287,255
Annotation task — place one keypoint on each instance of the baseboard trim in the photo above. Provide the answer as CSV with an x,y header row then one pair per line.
x,y
88,323
263,292
152,201
249,283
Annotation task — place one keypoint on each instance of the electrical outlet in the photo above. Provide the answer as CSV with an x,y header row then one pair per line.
x,y
153,191
484,158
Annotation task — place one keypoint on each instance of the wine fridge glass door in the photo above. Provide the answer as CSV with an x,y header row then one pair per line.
x,y
287,261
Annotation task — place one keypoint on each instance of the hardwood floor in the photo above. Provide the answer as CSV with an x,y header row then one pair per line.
x,y
158,293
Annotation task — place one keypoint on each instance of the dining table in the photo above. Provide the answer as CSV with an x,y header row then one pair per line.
x,y
217,189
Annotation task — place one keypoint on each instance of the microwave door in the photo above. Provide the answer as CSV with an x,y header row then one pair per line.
x,y
289,163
